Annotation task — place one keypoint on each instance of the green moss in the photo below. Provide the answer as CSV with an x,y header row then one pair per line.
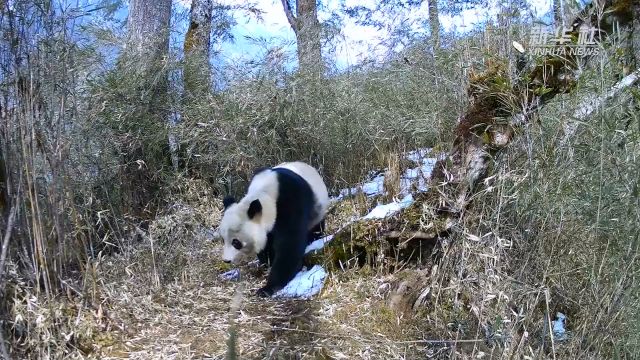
x,y
356,243
222,266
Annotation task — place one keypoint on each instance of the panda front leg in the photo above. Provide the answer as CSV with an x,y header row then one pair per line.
x,y
315,233
289,253
265,257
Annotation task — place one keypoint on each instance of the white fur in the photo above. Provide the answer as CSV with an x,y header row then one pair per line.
x,y
252,233
311,176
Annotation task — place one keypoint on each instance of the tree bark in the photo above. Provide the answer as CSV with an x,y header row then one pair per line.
x,y
306,26
148,23
148,47
4,179
145,57
635,35
197,44
434,25
557,13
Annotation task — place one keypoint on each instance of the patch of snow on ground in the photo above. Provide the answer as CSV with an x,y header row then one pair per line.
x,y
559,332
370,188
318,244
231,275
306,284
417,176
384,210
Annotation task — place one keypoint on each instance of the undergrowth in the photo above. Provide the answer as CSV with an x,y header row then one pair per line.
x,y
113,253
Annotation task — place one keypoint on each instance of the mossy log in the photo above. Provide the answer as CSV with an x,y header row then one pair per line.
x,y
498,107
386,243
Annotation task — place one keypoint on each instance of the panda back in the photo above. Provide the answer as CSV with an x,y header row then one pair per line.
x,y
315,182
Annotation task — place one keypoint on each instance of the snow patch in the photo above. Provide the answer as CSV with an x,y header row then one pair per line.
x,y
384,210
318,244
306,284
417,176
370,188
559,331
231,275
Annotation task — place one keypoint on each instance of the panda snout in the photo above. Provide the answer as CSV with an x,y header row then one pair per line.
x,y
227,261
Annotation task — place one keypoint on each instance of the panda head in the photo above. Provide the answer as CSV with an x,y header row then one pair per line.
x,y
242,229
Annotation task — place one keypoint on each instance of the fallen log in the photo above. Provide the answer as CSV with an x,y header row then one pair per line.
x,y
499,107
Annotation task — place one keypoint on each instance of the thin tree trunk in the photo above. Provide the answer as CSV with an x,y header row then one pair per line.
x,y
635,35
307,28
558,19
147,51
4,179
148,45
434,25
197,70
308,36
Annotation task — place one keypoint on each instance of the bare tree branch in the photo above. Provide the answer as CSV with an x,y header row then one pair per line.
x,y
289,12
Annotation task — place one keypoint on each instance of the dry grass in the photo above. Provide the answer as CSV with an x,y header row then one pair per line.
x,y
162,298
188,316
488,292
555,230
191,320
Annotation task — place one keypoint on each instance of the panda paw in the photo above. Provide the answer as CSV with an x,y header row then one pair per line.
x,y
264,292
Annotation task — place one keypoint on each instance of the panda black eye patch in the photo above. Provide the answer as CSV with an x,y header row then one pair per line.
x,y
236,244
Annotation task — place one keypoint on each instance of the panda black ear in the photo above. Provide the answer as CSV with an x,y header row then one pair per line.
x,y
254,208
228,201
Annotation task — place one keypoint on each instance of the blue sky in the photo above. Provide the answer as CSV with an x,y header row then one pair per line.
x,y
355,43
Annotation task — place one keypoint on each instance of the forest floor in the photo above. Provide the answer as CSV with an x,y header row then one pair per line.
x,y
189,316
190,319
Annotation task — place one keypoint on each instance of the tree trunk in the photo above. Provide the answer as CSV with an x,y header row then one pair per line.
x,y
148,23
145,58
308,37
434,25
306,26
197,70
558,19
148,47
635,35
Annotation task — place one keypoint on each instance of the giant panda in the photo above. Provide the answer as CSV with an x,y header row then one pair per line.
x,y
276,219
